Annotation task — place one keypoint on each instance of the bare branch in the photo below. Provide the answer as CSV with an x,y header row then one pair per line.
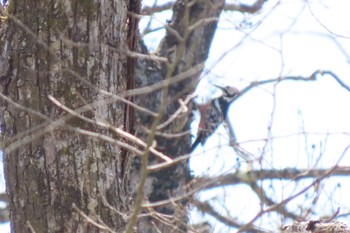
x,y
91,221
205,207
317,226
284,174
255,7
287,200
182,109
109,126
323,25
312,77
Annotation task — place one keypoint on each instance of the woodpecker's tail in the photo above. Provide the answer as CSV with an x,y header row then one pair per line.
x,y
196,142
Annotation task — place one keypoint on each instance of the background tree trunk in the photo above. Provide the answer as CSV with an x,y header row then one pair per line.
x,y
186,47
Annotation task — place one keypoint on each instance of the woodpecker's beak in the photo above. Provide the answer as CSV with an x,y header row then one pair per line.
x,y
221,88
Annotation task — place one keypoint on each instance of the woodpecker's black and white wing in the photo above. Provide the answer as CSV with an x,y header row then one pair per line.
x,y
213,114
211,118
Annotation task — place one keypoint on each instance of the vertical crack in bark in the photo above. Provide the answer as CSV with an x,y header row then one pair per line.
x,y
134,9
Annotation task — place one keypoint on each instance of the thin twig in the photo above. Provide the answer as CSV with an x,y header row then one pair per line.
x,y
285,201
182,109
30,227
91,221
109,126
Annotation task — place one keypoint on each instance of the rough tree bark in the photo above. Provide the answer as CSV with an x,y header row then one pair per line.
x,y
62,48
186,46
59,166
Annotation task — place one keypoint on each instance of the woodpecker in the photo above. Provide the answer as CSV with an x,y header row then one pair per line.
x,y
214,113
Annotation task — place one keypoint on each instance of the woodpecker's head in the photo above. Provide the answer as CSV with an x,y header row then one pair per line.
x,y
228,91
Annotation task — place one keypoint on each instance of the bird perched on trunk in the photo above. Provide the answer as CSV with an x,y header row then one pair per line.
x,y
214,113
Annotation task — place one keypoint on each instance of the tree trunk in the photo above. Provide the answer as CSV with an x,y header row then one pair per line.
x,y
62,49
186,47
67,157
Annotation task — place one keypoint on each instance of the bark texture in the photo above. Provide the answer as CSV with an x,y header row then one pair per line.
x,y
62,48
186,45
61,168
